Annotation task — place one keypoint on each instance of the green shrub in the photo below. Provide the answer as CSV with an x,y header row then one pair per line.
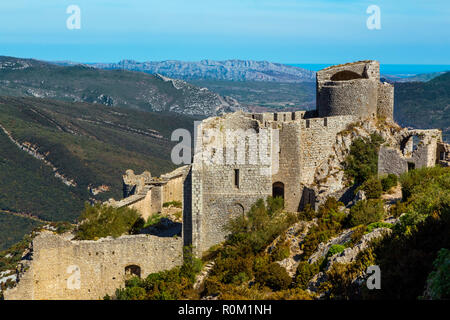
x,y
372,188
153,220
366,212
305,272
227,269
358,233
330,218
398,209
101,221
377,225
259,227
274,205
439,280
389,182
426,193
281,251
416,179
307,214
273,276
362,161
335,248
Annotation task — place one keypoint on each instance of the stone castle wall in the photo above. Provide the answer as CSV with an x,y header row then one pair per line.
x,y
303,144
385,106
318,136
99,265
216,194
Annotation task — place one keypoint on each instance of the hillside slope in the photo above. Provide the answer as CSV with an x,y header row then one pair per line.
x,y
424,104
72,152
136,90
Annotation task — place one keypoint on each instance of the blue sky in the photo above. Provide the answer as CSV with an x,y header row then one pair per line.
x,y
287,31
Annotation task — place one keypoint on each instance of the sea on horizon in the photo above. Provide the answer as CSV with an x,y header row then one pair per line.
x,y
400,70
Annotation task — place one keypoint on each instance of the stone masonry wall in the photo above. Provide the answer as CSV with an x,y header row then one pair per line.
x,y
385,108
99,265
391,160
289,168
353,97
318,136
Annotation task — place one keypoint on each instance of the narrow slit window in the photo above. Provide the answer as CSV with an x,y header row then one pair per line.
x,y
236,178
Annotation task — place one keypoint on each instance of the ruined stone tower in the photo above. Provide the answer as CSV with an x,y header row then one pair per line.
x,y
354,89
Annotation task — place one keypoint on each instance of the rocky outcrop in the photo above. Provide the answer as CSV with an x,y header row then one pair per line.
x,y
347,256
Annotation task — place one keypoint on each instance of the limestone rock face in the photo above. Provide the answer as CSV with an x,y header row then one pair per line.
x,y
347,256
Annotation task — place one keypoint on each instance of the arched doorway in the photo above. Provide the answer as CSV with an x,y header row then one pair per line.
x,y
132,271
278,190
236,210
345,75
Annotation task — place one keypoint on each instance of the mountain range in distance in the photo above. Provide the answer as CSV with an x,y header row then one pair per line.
x,y
228,70
249,70
81,83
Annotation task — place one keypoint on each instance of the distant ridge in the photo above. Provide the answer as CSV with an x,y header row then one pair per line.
x,y
230,70
84,83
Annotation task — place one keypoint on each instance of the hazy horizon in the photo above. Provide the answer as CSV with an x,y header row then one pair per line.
x,y
289,31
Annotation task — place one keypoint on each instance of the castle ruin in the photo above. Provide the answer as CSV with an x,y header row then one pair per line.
x,y
239,158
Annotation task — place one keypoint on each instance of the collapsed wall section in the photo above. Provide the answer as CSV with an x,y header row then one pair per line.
x,y
62,269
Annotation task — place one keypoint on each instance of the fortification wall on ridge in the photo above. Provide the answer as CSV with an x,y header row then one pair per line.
x,y
62,269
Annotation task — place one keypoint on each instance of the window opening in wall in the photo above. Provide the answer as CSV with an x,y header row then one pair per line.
x,y
411,166
293,116
325,122
275,116
132,271
307,123
236,178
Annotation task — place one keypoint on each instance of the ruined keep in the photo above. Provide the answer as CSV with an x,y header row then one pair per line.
x,y
238,159
354,89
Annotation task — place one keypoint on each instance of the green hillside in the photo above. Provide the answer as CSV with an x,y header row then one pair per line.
x,y
135,90
424,104
13,229
90,144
